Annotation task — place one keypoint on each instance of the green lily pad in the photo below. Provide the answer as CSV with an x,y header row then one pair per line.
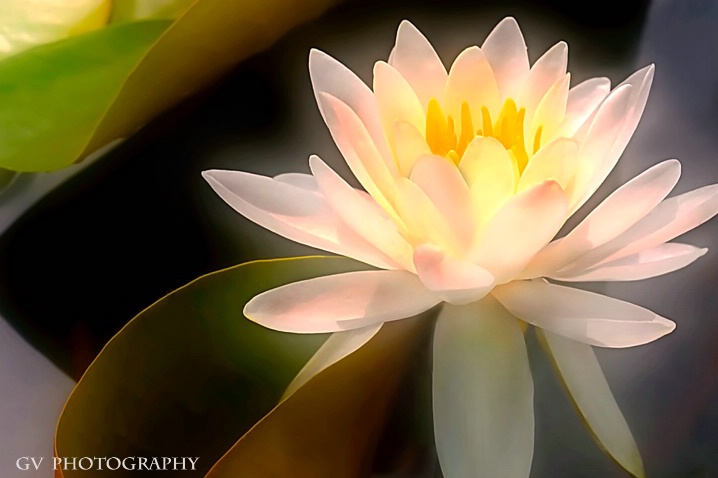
x,y
62,101
190,375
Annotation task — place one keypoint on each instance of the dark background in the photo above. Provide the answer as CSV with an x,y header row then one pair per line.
x,y
141,222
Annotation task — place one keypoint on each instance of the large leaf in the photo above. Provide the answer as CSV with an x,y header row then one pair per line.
x,y
64,100
331,426
189,375
52,96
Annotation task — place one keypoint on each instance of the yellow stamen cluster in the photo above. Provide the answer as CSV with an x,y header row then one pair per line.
x,y
445,139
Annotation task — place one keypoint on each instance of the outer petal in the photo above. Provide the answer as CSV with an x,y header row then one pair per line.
x,y
482,393
330,76
583,316
294,212
415,58
361,214
581,374
337,346
668,220
504,247
457,282
619,211
359,151
505,49
341,302
545,72
583,99
641,265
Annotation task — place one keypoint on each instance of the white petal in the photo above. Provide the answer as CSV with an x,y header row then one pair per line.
x,y
641,82
641,265
341,302
583,99
583,378
300,180
471,80
525,224
482,393
580,315
447,190
337,346
396,101
550,111
361,214
489,171
423,221
604,130
557,160
457,282
330,76
545,72
619,211
358,149
293,212
415,58
505,49
410,145
671,218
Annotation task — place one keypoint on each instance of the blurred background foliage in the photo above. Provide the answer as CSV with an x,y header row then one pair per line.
x,y
140,222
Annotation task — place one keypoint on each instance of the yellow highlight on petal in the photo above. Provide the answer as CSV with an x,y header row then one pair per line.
x,y
445,139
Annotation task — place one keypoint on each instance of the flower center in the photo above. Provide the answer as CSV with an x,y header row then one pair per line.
x,y
448,138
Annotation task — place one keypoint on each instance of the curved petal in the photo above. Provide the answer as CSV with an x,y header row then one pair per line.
x,y
619,211
584,316
583,99
482,393
641,82
602,132
471,80
300,180
545,72
671,218
505,49
361,214
341,302
641,265
423,221
410,145
457,282
396,101
293,212
358,149
447,190
503,247
330,76
581,374
489,171
415,58
557,161
550,111
337,346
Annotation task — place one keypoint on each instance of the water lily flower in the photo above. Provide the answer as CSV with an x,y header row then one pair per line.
x,y
468,177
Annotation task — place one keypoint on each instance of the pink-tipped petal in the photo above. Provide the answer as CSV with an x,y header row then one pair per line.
x,y
341,302
294,212
361,214
505,49
447,190
545,72
583,99
641,265
457,282
415,58
471,80
504,247
580,315
619,211
330,76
